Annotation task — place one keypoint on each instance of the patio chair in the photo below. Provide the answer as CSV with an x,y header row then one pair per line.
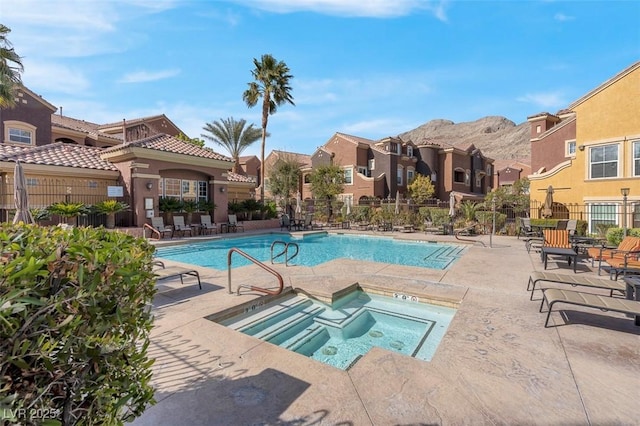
x,y
207,226
588,300
556,238
178,224
525,229
572,225
158,226
307,224
628,244
233,223
627,264
285,222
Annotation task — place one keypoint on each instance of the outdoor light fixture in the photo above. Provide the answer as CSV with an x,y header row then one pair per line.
x,y
222,189
625,193
149,185
581,147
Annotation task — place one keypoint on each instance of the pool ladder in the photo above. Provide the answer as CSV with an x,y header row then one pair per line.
x,y
260,264
284,252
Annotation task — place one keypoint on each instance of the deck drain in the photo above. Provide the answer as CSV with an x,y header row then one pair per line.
x,y
397,345
329,350
376,333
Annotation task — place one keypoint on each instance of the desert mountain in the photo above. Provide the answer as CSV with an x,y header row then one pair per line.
x,y
497,137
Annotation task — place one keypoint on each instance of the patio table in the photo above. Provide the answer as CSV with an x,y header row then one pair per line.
x,y
633,292
571,255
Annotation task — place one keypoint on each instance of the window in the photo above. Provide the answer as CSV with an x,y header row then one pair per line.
x,y
604,214
458,176
32,182
409,151
307,178
410,174
19,136
348,176
603,161
185,189
399,176
362,170
570,149
93,184
372,164
636,158
538,128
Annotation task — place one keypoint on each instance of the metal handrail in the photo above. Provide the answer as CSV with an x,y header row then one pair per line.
x,y
260,264
153,230
468,228
285,252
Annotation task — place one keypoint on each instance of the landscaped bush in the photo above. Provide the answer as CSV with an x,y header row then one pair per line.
x,y
615,235
74,325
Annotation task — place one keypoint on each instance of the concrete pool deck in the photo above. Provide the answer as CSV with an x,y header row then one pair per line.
x,y
496,364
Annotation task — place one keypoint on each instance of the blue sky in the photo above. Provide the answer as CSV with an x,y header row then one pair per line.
x,y
371,68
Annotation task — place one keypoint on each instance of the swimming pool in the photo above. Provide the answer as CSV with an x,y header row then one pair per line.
x,y
316,249
342,333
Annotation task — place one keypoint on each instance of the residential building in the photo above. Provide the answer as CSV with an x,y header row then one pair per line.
x,y
303,160
600,159
507,172
384,168
135,161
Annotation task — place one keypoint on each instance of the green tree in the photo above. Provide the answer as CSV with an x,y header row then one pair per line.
x,y
194,141
234,136
10,69
515,196
284,177
421,189
272,85
326,183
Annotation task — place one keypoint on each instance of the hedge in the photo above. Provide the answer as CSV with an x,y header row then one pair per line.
x,y
74,325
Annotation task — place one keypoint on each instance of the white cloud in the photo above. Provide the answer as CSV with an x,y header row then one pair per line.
x,y
352,8
544,100
52,77
147,76
561,17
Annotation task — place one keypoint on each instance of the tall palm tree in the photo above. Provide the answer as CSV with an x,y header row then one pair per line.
x,y
272,85
233,136
10,69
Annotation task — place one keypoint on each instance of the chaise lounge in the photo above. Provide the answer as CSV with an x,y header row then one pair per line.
x,y
588,300
574,280
164,273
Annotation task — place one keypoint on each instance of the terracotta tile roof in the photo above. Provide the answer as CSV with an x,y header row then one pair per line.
x,y
132,121
302,159
59,154
235,177
83,126
357,140
167,143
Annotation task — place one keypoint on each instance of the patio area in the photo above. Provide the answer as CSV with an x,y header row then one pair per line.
x,y
497,364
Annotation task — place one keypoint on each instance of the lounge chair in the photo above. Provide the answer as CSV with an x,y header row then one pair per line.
x,y
572,226
285,222
159,228
574,280
164,273
233,223
178,224
628,244
589,300
627,264
525,229
207,226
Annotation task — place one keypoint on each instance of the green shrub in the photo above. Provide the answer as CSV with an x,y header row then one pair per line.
x,y
439,216
615,235
74,324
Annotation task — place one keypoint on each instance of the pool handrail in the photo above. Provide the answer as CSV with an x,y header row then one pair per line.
x,y
285,252
260,264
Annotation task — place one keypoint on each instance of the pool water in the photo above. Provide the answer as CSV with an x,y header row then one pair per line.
x,y
315,249
340,334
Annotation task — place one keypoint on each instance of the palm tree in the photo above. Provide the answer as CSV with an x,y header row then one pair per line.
x,y
10,69
233,136
272,85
